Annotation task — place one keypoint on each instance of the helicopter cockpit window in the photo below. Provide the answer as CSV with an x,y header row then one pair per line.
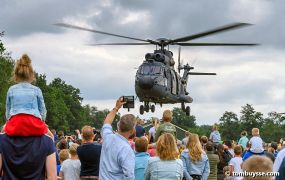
x,y
147,70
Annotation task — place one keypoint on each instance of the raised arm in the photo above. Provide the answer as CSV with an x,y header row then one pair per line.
x,y
110,117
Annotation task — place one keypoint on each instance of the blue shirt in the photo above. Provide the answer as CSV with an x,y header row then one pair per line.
x,y
27,99
215,137
117,157
141,163
158,169
25,157
201,167
243,141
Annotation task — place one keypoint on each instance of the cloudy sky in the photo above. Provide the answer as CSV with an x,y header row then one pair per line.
x,y
251,75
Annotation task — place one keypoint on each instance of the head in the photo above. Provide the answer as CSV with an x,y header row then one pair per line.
x,y
60,134
73,149
229,144
195,147
166,147
215,127
238,150
87,133
187,133
274,145
23,70
126,125
167,116
255,132
63,155
220,148
210,146
204,139
258,164
243,133
53,131
139,121
62,144
141,144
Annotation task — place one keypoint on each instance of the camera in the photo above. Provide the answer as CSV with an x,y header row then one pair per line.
x,y
129,102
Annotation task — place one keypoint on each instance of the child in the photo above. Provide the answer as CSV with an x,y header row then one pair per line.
x,y
141,157
256,145
236,162
70,168
25,107
63,155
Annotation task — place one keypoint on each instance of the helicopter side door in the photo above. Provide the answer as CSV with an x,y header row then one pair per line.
x,y
173,82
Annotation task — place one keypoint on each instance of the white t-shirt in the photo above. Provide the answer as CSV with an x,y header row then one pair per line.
x,y
71,169
152,132
256,144
236,163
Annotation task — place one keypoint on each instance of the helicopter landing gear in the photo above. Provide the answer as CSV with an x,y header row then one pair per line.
x,y
187,110
152,108
146,107
183,106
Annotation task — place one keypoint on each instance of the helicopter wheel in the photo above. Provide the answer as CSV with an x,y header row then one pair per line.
x,y
141,109
146,108
152,108
183,106
187,110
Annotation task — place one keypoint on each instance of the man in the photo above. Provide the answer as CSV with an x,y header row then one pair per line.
x,y
117,157
213,160
27,157
89,155
166,127
215,136
139,129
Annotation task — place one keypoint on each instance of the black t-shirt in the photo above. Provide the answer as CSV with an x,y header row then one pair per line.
x,y
89,156
24,157
139,131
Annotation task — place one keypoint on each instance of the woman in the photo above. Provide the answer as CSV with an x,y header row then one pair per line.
x,y
195,160
165,166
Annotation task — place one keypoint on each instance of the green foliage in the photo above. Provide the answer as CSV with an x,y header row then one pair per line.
x,y
180,119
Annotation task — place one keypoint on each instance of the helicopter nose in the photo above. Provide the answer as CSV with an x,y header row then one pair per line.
x,y
145,82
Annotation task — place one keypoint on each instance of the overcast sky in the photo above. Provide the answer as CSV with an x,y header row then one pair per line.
x,y
251,75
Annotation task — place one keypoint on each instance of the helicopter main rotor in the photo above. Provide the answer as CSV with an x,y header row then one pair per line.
x,y
163,42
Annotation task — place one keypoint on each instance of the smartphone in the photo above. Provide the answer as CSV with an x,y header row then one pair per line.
x,y
130,102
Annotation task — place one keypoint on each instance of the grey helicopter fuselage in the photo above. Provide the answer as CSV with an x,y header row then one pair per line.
x,y
158,82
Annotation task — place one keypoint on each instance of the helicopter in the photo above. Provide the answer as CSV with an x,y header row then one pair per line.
x,y
157,81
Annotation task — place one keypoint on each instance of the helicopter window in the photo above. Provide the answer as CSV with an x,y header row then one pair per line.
x,y
150,70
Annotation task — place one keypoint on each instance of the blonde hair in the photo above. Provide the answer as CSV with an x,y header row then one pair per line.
x,y
23,70
73,149
195,148
167,116
166,147
255,131
258,164
87,133
63,155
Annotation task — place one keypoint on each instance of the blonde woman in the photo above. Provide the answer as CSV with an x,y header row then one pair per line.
x,y
195,161
165,166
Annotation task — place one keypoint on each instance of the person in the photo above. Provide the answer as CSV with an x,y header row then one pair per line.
x,y
139,129
89,155
63,155
256,145
117,158
243,140
152,130
165,166
141,157
215,136
225,157
25,107
279,159
185,139
274,145
166,127
204,141
31,157
213,160
70,168
229,145
257,163
195,161
236,162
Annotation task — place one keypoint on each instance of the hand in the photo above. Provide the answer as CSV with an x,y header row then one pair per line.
x,y
120,103
77,131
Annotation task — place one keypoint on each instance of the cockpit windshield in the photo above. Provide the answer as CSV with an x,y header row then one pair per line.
x,y
148,70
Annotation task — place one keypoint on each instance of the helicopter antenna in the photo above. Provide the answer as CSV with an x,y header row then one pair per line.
x,y
179,64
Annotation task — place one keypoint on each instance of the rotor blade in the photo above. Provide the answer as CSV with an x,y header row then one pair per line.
x,y
95,31
199,73
213,31
103,44
215,44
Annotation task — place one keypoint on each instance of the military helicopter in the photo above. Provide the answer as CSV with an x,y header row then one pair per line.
x,y
157,81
